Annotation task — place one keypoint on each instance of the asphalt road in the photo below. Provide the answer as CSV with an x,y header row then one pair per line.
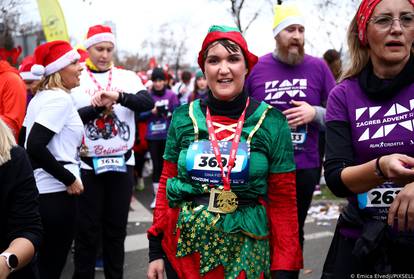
x,y
318,235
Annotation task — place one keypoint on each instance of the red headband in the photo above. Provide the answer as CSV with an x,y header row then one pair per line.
x,y
233,36
364,14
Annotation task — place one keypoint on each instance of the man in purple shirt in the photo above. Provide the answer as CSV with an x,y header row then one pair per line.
x,y
298,85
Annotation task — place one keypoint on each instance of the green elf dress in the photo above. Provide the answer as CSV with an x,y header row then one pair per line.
x,y
262,233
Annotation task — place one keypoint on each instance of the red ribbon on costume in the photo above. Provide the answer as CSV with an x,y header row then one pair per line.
x,y
234,145
364,15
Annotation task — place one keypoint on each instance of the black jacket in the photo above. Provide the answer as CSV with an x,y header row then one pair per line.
x,y
19,205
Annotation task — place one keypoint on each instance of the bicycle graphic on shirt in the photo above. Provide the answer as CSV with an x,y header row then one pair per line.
x,y
106,127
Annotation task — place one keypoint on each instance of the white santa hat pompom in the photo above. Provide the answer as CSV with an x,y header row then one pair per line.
x,y
38,70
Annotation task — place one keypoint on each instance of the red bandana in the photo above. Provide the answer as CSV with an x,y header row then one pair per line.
x,y
364,14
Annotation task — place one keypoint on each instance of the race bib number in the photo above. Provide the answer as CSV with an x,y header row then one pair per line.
x,y
208,162
299,137
158,126
376,202
202,165
105,164
378,197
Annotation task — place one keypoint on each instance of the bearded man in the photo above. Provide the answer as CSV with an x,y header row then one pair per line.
x,y
298,85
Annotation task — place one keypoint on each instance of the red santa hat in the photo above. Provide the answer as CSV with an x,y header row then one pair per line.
x,y
97,34
53,56
24,69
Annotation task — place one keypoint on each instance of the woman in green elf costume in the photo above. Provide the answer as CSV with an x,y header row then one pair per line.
x,y
226,205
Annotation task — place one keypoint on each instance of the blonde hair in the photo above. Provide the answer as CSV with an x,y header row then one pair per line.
x,y
7,141
50,82
358,53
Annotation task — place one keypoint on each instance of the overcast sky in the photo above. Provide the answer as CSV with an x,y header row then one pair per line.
x,y
139,20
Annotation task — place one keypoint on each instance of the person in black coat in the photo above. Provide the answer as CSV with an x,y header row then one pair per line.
x,y
20,225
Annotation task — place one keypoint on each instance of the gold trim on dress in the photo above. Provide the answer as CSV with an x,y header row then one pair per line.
x,y
195,125
258,124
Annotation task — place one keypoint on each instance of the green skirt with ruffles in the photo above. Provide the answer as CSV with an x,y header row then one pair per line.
x,y
202,231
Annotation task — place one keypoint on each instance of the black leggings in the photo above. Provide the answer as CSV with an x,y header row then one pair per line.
x,y
156,149
321,148
306,180
58,212
139,164
103,208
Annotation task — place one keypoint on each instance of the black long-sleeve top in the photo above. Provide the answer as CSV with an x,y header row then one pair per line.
x,y
19,206
339,155
41,157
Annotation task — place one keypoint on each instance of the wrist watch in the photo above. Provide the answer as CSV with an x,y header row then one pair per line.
x,y
11,260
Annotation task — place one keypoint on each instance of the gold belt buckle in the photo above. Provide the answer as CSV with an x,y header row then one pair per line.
x,y
222,201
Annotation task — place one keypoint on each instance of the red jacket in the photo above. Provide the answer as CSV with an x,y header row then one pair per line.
x,y
12,97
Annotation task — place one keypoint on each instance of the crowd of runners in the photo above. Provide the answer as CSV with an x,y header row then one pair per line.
x,y
236,146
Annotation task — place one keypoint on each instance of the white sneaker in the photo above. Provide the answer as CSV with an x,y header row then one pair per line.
x,y
147,169
155,191
99,265
153,203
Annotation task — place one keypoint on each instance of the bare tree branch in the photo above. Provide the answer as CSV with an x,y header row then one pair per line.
x,y
251,21
168,48
10,15
238,8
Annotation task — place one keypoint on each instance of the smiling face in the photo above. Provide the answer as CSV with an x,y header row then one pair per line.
x,y
225,71
390,46
70,75
290,44
101,55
